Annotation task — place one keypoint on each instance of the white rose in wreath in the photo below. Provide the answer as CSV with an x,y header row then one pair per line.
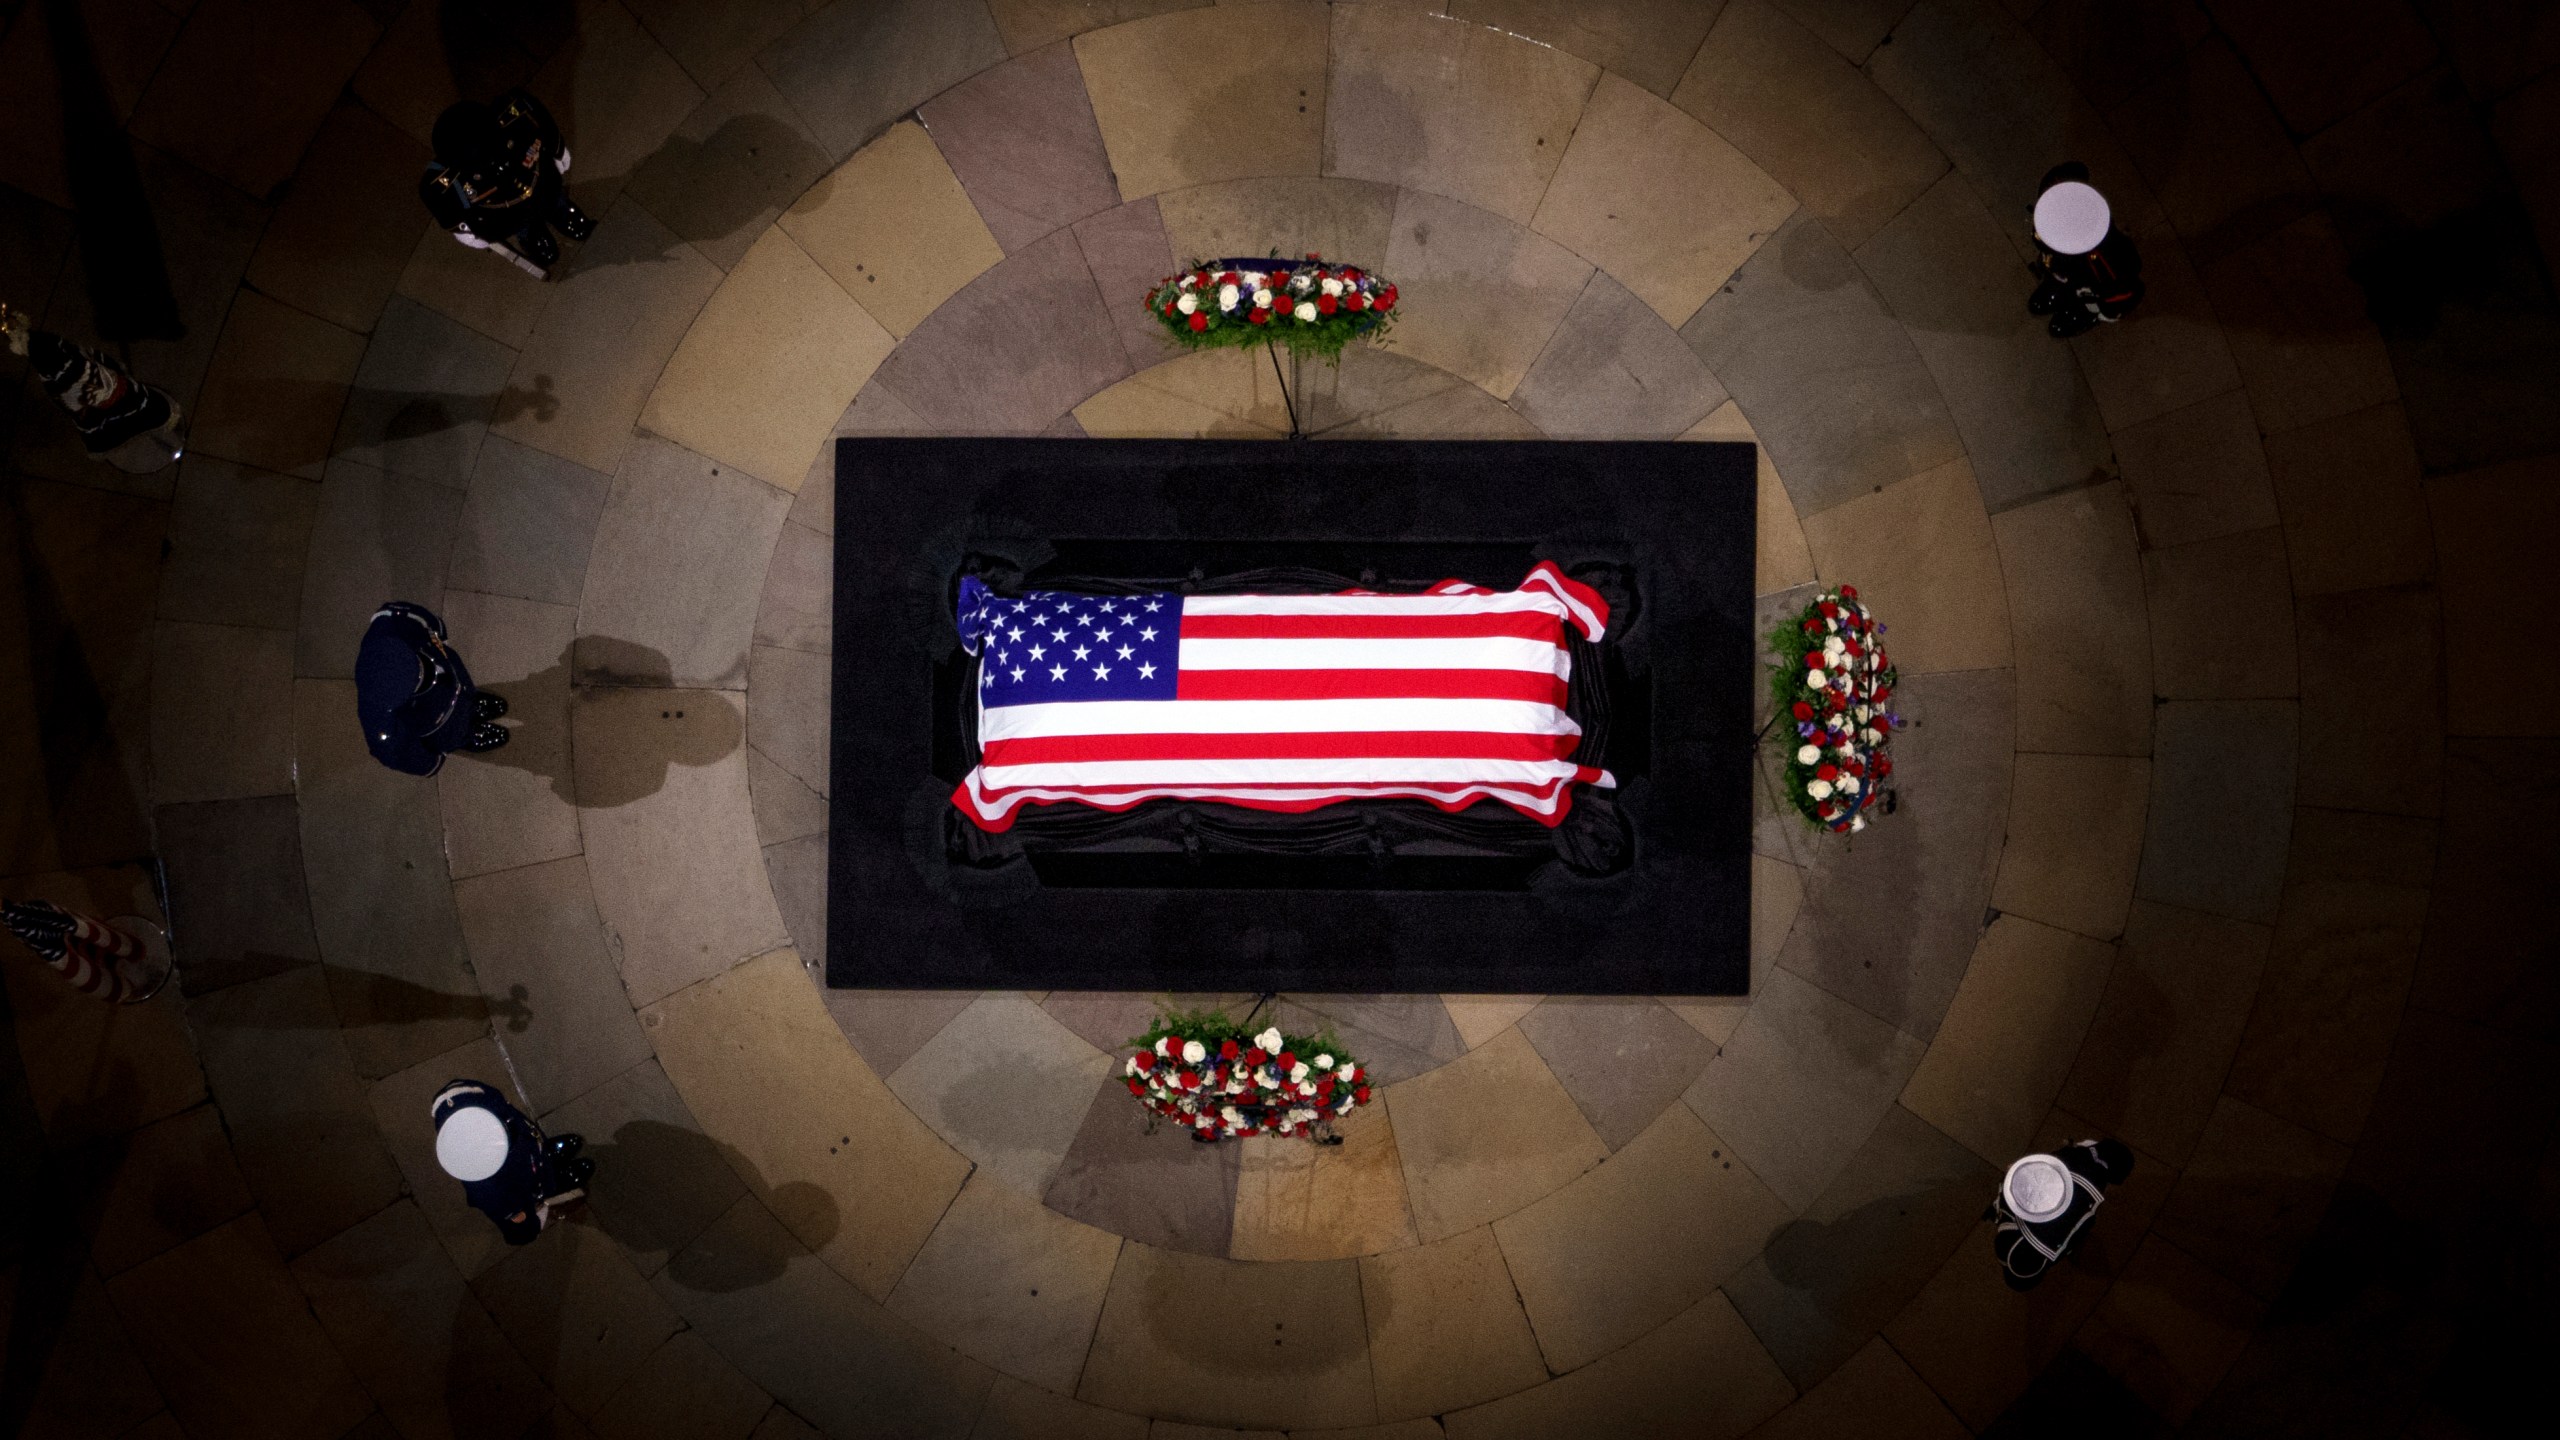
x,y
1160,1047
1816,679
1269,1041
1193,1052
1808,754
1227,297
1332,286
1324,1062
1262,299
1306,311
1818,789
1186,304
1298,1073
1849,783
1858,822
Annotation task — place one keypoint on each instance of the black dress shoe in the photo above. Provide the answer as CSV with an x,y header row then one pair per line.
x,y
563,1147
579,1172
486,737
486,707
573,222
537,246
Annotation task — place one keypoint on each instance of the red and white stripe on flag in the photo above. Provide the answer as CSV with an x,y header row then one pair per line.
x,y
1286,702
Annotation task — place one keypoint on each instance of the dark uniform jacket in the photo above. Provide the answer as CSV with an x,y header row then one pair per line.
x,y
509,179
2028,1249
511,1198
412,693
106,403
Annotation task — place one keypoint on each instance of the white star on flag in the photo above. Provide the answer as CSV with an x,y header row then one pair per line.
x,y
1146,672
1101,672
1083,654
1057,672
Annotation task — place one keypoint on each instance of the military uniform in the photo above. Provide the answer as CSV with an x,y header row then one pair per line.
x,y
2094,278
2028,1248
108,405
496,179
510,1171
415,698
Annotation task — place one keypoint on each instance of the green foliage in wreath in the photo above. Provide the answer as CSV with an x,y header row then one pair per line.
x,y
1304,306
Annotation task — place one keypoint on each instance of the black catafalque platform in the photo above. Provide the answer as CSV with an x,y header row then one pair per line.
x,y
1645,890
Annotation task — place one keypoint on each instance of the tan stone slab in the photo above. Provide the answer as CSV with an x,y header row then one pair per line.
x,y
788,714
1701,210
1460,413
1133,411
1340,219
2079,622
619,95
1400,1429
797,609
94,1070
1296,1201
515,806
1637,1241
1369,380
2198,472
1480,295
221,712
1172,116
1805,115
894,228
685,1391
2297,327
1468,1161
2162,1040
174,1180
2222,624
2333,994
237,544
232,1342
670,835
675,576
2253,1193
1006,1085
1005,1279
1481,1017
1701,1377
2170,1329
1800,1083
540,955
1149,1356
1780,559
815,1134
597,351
2075,840
1922,555
474,288
2009,1038
2373,688
578,1313
1461,109
1648,41
2354,509
2174,358
1445,1327
1210,392
1029,24
775,358
400,1106
730,170
1874,1395
272,395
1017,1411
2490,526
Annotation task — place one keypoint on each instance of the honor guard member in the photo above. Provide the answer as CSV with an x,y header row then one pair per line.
x,y
2046,1202
509,1170
413,696
496,179
2090,270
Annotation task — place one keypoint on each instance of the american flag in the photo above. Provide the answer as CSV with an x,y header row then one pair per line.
x,y
1278,702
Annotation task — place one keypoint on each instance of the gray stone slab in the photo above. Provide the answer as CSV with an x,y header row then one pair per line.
x,y
35,239
1023,140
1647,41
539,951
798,872
1827,377
818,1345
1164,1189
299,1125
237,541
515,805
1890,919
785,808
659,1182
853,67
2319,61
2373,700
734,165
2028,419
1614,371
373,844
527,524
797,610
2492,905
2248,1202
2207,140
424,395
1128,253
379,536
1107,1019
787,714
164,1185
2222,784
2196,473
1390,1054
1007,1085
578,1313
1801,1085
1834,1276
239,907
1622,1059
886,1026
221,712
1019,346
676,572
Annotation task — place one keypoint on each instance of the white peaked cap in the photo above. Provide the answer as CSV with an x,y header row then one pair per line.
x,y
2037,1188
471,1144
2071,218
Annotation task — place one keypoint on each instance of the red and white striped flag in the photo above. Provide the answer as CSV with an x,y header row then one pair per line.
x,y
1278,702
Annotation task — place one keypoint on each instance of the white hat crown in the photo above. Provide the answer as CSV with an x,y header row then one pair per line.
x,y
2072,218
471,1144
2037,1188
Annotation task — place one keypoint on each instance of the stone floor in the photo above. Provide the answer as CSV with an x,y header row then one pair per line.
x,y
2195,849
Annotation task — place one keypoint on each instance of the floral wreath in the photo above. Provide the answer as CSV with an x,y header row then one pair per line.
x,y
1203,1071
1836,760
1304,306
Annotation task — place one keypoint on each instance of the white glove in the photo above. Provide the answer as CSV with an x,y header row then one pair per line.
x,y
563,161
467,238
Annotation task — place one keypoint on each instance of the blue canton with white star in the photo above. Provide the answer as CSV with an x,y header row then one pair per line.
x,y
1045,647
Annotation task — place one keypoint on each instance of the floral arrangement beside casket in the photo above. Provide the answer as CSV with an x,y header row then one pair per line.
x,y
1835,707
1307,307
1204,1072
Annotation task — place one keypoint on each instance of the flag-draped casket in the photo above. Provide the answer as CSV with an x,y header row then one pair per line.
x,y
1278,702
